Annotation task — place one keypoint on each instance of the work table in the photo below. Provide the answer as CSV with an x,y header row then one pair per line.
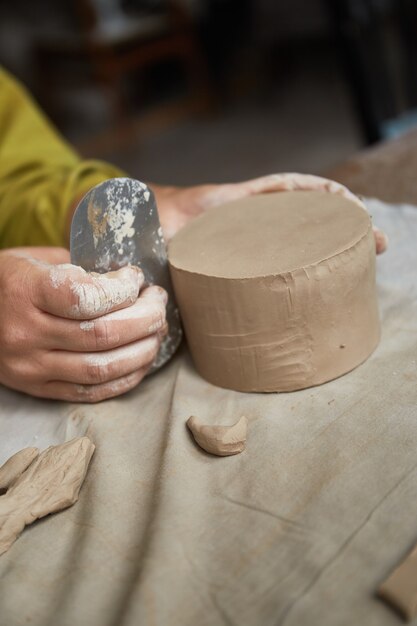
x,y
299,529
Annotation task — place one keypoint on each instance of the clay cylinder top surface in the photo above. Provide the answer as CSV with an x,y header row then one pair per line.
x,y
277,291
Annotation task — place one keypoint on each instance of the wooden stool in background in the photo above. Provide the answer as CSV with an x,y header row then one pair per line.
x,y
110,45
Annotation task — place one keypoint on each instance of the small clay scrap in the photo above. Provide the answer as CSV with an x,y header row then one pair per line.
x,y
219,440
15,466
400,588
50,483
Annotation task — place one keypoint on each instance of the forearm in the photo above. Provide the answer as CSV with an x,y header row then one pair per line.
x,y
41,176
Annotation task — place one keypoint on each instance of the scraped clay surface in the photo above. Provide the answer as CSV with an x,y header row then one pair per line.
x,y
277,291
51,482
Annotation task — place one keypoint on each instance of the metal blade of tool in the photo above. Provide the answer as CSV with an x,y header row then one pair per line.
x,y
115,224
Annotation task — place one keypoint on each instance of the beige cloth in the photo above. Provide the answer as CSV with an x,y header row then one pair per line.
x,y
298,530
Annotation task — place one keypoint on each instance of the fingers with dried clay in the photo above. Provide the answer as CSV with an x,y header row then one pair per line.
x,y
307,182
51,481
70,292
289,181
70,335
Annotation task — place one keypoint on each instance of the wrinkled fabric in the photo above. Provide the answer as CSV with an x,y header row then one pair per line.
x,y
298,530
41,176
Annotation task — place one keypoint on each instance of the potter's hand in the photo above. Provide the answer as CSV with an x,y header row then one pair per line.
x,y
177,205
75,336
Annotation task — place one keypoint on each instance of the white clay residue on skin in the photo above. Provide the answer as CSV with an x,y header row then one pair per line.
x,y
58,274
96,294
87,325
135,350
115,387
143,308
98,297
156,326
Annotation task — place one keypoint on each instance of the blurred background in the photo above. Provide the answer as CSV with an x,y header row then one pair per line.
x,y
190,91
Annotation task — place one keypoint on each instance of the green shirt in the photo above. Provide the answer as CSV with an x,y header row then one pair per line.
x,y
41,176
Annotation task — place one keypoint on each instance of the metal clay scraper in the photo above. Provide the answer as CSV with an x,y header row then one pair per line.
x,y
116,224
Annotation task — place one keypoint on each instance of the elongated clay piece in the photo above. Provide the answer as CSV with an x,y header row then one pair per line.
x,y
277,291
400,588
16,465
52,482
219,440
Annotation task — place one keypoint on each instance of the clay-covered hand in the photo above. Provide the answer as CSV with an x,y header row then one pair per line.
x,y
177,206
70,335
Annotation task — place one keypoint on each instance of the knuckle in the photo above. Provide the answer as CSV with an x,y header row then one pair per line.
x,y
105,334
9,336
96,394
86,394
15,336
96,373
60,284
21,369
100,392
84,299
89,393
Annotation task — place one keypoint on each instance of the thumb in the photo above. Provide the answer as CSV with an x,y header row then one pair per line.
x,y
69,291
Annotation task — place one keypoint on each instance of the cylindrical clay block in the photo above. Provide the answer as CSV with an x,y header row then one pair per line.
x,y
277,291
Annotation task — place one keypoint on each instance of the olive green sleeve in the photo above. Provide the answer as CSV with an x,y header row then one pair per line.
x,y
41,176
